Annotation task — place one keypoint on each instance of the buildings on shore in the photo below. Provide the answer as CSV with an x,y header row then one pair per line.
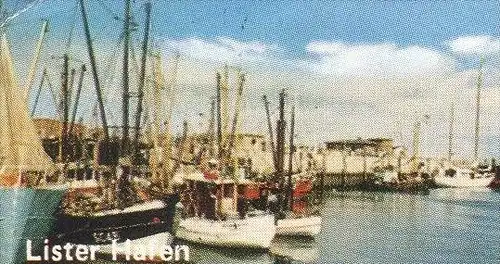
x,y
349,156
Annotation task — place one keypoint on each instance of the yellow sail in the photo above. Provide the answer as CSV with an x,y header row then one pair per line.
x,y
20,147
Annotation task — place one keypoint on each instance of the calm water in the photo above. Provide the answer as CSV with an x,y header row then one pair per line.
x,y
447,226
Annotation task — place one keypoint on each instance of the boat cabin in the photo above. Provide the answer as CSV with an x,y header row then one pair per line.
x,y
215,198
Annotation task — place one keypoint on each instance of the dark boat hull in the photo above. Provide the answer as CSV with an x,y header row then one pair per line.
x,y
103,229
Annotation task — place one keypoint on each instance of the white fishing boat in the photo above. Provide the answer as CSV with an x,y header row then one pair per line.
x,y
462,178
228,228
299,226
300,221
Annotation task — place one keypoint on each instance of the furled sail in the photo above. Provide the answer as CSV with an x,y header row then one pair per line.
x,y
21,151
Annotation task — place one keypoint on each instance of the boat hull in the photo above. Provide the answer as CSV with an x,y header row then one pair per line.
x,y
251,232
26,213
135,222
462,182
304,226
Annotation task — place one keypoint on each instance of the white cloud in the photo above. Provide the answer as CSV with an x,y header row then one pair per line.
x,y
222,49
475,45
385,59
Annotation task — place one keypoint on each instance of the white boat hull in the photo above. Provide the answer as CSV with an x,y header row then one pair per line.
x,y
305,226
251,232
462,182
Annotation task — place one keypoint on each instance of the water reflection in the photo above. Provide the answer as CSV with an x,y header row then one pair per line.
x,y
295,249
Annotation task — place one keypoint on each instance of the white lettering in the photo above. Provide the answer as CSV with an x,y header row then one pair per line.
x,y
30,257
178,249
166,251
56,253
46,250
81,252
68,248
93,250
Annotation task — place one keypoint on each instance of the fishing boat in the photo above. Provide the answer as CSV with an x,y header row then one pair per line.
x,y
295,216
29,188
300,221
216,220
463,178
118,207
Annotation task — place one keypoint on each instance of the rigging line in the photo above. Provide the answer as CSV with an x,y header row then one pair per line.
x,y
111,69
110,11
29,6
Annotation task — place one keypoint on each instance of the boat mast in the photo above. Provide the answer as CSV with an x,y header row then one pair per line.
x,y
36,57
416,145
93,65
65,109
290,159
478,108
237,109
219,121
450,137
270,127
37,97
125,80
83,69
142,77
280,147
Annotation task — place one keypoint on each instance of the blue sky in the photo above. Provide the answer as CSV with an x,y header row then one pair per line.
x,y
353,68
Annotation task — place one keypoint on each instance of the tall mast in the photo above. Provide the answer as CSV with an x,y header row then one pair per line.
x,y
93,65
450,137
125,81
77,98
211,126
142,78
225,104
219,121
478,108
290,160
416,145
271,136
236,115
65,108
36,56
281,135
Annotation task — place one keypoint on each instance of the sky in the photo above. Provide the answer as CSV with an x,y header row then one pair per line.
x,y
351,68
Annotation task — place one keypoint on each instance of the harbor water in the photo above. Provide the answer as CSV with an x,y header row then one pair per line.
x,y
446,226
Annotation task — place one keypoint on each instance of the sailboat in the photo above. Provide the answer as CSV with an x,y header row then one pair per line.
x,y
29,188
131,214
474,175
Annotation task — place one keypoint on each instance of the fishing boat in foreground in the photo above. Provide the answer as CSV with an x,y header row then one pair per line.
x,y
216,215
29,192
